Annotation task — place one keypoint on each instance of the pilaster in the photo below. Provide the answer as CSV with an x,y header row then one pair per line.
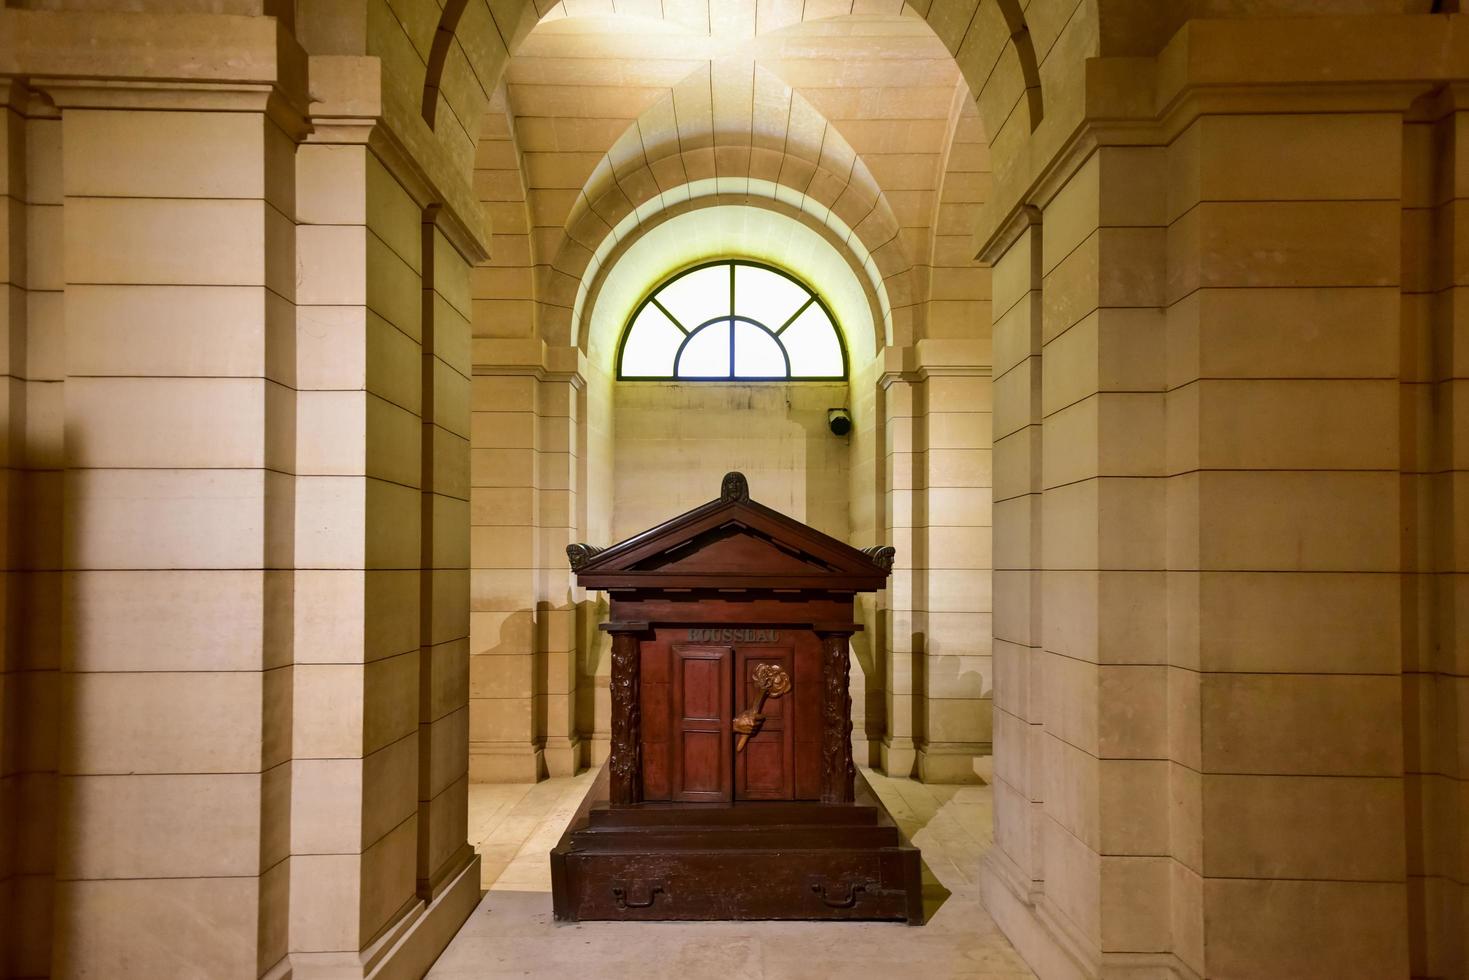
x,y
625,760
1235,302
32,335
939,475
838,773
179,491
900,400
381,711
1436,654
526,475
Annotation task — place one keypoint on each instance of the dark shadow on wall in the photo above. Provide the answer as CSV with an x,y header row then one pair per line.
x,y
34,713
920,701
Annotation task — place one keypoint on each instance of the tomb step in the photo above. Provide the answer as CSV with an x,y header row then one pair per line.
x,y
732,815
769,883
775,838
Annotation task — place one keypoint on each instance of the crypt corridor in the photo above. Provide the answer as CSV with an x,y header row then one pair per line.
x,y
328,326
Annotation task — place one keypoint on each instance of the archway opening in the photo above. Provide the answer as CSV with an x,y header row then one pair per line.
x,y
847,151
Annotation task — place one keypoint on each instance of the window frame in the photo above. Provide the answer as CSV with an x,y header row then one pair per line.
x,y
731,317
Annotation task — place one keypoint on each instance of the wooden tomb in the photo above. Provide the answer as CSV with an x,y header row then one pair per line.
x,y
730,791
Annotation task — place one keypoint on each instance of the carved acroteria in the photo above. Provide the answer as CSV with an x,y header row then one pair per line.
x,y
734,487
625,764
882,556
579,554
837,771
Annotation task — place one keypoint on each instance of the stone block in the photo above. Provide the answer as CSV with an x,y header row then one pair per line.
x,y
1313,724
171,723
167,518
159,241
163,826
1348,929
154,154
212,925
1303,827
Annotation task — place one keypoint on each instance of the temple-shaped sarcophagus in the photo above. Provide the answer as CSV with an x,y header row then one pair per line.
x,y
730,791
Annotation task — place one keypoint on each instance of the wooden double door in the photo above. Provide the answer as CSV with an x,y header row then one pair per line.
x,y
692,692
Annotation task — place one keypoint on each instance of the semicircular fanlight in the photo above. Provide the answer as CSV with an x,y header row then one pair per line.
x,y
732,320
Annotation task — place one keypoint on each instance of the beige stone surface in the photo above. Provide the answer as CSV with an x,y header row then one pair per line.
x,y
777,437
273,570
212,923
1302,926
512,934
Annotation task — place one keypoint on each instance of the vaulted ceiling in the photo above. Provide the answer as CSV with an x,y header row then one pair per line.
x,y
610,113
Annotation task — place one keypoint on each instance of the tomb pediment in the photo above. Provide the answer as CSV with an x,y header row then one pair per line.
x,y
732,542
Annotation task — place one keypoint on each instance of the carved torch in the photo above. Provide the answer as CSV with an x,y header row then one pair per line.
x,y
772,682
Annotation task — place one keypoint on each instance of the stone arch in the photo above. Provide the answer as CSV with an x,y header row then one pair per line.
x,y
658,162
613,249
594,229
438,55
992,43
1025,56
994,49
500,188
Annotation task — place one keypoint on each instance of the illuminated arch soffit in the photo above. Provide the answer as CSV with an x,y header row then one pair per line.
x,y
732,320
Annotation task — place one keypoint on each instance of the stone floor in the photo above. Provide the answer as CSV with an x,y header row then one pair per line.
x,y
511,933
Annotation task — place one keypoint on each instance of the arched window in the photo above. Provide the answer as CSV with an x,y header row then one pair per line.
x,y
732,320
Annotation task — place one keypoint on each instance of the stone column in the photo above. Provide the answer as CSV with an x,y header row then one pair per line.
x,y
625,763
1436,662
525,472
507,729
1287,513
379,867
957,670
1014,862
937,408
1246,527
31,460
1082,791
557,481
900,400
443,682
179,495
1103,525
358,547
505,509
867,496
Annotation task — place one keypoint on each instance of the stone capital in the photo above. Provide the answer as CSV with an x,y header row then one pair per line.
x,y
530,356
157,61
934,357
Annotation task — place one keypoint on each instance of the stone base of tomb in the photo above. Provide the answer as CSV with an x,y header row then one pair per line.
x,y
746,860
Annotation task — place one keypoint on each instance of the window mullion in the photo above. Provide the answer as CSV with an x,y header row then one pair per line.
x,y
794,316
732,371
671,318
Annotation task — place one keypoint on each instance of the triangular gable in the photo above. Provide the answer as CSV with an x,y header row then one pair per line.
x,y
731,547
732,542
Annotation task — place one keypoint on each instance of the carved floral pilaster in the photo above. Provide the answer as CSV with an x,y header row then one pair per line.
x,y
838,773
625,763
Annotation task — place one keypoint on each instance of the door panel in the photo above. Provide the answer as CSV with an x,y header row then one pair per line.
x,y
765,770
703,769
701,688
702,714
656,700
807,690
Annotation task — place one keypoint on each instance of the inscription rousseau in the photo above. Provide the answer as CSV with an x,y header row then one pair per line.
x,y
733,636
